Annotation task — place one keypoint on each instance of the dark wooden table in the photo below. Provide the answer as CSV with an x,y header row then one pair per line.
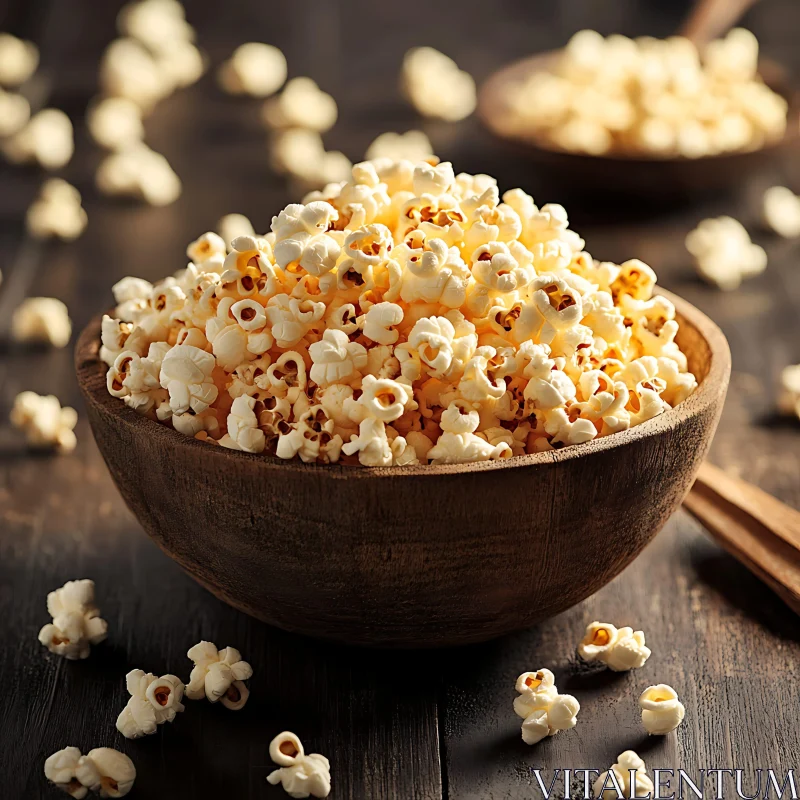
x,y
394,725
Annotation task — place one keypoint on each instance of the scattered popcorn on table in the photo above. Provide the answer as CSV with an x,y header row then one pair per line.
x,y
300,775
153,702
115,122
61,769
232,226
411,146
45,424
662,712
435,86
656,97
218,674
408,316
619,649
41,319
543,710
103,770
789,400
15,111
255,69
627,778
723,252
781,211
141,173
57,212
18,60
76,621
301,104
47,139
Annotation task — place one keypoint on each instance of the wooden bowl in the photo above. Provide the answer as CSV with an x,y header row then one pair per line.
x,y
628,174
415,556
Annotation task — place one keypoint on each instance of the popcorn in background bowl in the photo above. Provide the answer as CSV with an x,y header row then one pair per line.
x,y
410,315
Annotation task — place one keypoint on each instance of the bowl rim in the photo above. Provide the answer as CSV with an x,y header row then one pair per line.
x,y
91,373
490,97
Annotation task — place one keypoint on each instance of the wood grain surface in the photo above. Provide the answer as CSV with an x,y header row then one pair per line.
x,y
395,725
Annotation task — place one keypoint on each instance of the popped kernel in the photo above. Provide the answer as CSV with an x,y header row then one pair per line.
x,y
44,422
46,139
153,701
61,770
662,712
620,649
137,171
789,399
76,621
781,211
15,111
544,711
301,104
43,320
218,675
56,212
115,122
435,86
410,146
107,772
18,60
255,69
408,315
299,774
626,778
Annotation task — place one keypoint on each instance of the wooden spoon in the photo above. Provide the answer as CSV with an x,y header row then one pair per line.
x,y
755,527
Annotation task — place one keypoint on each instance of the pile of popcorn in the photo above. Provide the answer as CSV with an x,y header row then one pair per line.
x,y
408,316
656,97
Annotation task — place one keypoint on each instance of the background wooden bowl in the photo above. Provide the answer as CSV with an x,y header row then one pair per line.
x,y
416,556
650,179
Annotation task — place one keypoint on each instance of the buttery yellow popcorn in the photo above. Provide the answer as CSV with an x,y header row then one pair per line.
x,y
409,315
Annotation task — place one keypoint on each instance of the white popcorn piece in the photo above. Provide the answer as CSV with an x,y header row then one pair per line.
x,y
43,320
15,111
781,211
107,772
18,60
544,711
243,427
627,777
129,69
44,422
789,399
380,320
435,86
301,104
61,769
186,375
254,69
299,774
232,226
47,139
56,212
139,172
76,621
412,146
662,712
115,122
157,24
723,252
300,153
620,649
153,702
218,675
537,691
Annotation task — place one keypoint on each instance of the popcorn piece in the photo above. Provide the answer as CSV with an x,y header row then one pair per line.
x,y
41,319
47,139
537,690
15,111
186,375
597,641
300,775
619,649
301,104
300,153
18,60
57,212
243,427
61,769
218,674
255,69
157,24
107,772
153,702
628,777
139,172
544,711
723,252
435,86
45,423
411,145
662,712
232,226
115,123
781,211
789,400
380,320
129,69
76,621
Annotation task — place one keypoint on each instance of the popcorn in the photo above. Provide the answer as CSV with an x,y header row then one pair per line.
x,y
662,712
115,123
301,104
406,316
139,172
18,60
789,401
76,621
300,153
255,69
627,778
45,423
544,711
619,649
218,675
649,97
41,319
47,139
157,24
723,252
61,769
300,775
435,86
412,146
153,702
15,111
57,212
781,211
103,770
129,69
